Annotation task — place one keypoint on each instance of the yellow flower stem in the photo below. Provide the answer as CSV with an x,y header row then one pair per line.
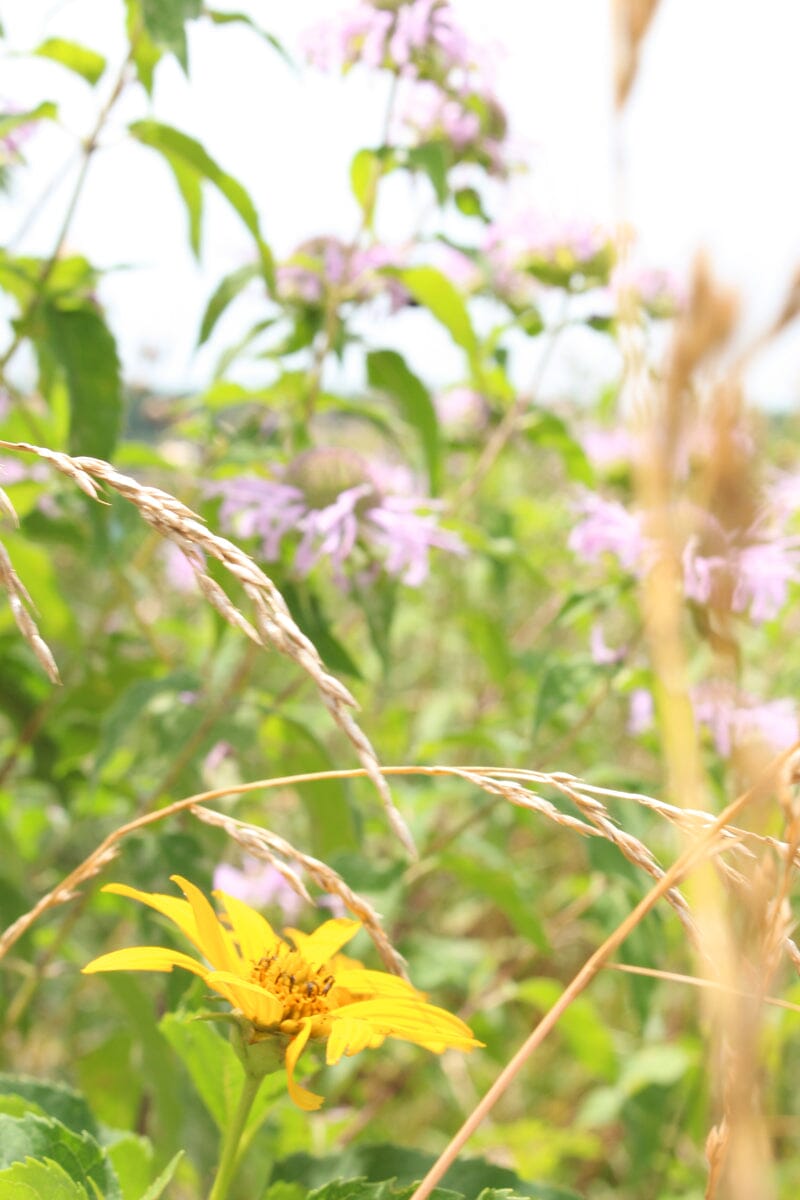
x,y
229,1158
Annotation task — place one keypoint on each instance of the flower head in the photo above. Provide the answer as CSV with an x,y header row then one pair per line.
x,y
297,992
344,509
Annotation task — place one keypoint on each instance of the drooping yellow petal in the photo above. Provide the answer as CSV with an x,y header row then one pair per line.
x,y
321,945
215,940
348,1036
258,1005
144,958
253,932
178,911
303,1098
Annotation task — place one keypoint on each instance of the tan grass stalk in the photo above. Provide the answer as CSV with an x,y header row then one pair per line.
x,y
782,769
273,626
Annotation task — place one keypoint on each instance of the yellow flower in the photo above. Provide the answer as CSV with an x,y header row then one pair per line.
x,y
306,992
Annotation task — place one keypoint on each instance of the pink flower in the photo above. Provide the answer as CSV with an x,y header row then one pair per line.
x,y
607,527
344,510
641,711
326,261
462,412
764,571
601,652
608,447
260,885
556,252
734,718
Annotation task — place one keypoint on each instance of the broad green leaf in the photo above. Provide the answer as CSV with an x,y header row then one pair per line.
x,y
365,173
360,1167
174,145
55,1099
9,121
227,290
216,1072
132,1159
469,202
84,62
549,431
190,188
35,1180
387,371
165,22
434,291
84,348
500,886
79,1154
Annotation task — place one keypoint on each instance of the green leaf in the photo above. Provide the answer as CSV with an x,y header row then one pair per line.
x,y
365,173
34,1180
158,1185
189,186
327,801
165,23
84,62
216,1072
240,18
434,291
42,1137
132,1159
9,121
306,609
85,349
547,430
128,708
227,290
387,371
55,1099
191,155
432,159
469,202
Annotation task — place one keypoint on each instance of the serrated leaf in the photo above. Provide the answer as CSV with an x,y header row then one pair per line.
x,y
79,1154
387,371
172,144
226,291
35,1180
84,62
434,291
84,348
55,1099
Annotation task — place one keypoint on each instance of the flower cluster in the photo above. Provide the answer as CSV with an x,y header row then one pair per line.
x,y
343,509
322,264
532,246
289,993
448,99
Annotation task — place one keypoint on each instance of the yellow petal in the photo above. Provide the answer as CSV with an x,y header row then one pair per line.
x,y
255,935
261,1006
427,1026
364,982
144,958
349,1036
178,911
214,939
318,947
308,1101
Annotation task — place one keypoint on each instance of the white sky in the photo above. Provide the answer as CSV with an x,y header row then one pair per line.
x,y
709,145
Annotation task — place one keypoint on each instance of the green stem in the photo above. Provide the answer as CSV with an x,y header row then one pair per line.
x,y
233,1136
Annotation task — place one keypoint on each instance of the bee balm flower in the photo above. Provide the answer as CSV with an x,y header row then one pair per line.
x,y
300,992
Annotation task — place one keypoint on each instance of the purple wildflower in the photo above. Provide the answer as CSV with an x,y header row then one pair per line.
x,y
764,571
641,711
560,253
608,447
324,262
734,718
344,510
462,412
607,527
260,885
601,652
